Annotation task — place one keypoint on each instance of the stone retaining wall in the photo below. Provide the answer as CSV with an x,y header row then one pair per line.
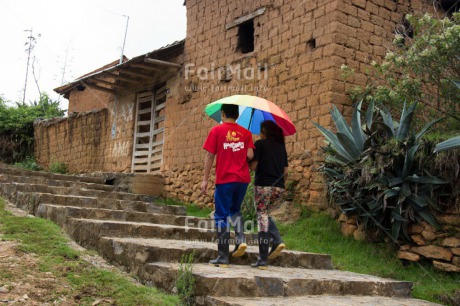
x,y
439,246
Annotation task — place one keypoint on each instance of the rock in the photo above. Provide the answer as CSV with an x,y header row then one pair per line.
x,y
451,242
455,251
348,229
449,219
342,217
445,266
408,256
429,235
286,212
415,229
456,261
433,252
418,239
405,247
360,234
4,290
351,220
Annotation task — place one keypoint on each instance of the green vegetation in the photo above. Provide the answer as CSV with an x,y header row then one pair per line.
x,y
318,233
380,171
46,240
28,163
191,209
58,167
423,68
185,282
16,126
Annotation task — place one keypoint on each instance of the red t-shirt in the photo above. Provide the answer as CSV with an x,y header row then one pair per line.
x,y
230,142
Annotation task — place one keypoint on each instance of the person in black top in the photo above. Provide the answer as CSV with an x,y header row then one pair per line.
x,y
271,165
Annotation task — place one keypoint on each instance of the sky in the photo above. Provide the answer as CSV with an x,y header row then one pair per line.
x,y
73,38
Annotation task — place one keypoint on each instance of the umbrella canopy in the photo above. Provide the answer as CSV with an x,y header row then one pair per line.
x,y
253,111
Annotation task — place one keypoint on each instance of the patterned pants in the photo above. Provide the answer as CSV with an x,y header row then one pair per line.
x,y
265,198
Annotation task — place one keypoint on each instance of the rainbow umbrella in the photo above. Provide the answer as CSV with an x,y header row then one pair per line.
x,y
253,111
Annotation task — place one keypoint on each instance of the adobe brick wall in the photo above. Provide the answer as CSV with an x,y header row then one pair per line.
x,y
89,99
85,143
301,45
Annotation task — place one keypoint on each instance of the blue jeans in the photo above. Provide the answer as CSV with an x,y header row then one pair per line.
x,y
228,198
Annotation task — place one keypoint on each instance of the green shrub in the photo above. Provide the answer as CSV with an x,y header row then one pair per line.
x,y
185,282
17,126
29,163
423,67
378,171
58,167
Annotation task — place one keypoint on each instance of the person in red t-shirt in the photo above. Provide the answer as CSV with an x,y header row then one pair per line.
x,y
234,148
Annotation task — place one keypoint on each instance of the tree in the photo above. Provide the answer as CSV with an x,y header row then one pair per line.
x,y
423,69
16,126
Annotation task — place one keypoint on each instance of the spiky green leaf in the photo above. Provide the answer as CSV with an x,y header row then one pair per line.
x,y
426,128
349,145
449,144
405,122
335,143
409,160
370,114
341,123
356,128
426,180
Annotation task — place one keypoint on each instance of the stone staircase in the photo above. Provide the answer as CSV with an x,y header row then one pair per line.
x,y
147,238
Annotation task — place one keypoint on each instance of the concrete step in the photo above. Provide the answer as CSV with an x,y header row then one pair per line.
x,y
13,178
322,300
29,201
88,232
244,281
59,214
132,253
70,191
49,175
9,178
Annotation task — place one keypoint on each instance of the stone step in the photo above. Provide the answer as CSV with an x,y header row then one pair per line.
x,y
7,178
315,301
244,281
49,175
59,214
70,191
132,253
29,201
88,232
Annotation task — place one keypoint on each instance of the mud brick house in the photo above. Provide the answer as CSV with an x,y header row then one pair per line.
x,y
145,115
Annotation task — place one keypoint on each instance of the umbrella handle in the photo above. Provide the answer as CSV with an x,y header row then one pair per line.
x,y
250,118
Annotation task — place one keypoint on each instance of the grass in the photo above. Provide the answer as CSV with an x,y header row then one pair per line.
x,y
87,283
318,233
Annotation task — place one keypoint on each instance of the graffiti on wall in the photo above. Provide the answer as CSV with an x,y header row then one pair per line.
x,y
120,148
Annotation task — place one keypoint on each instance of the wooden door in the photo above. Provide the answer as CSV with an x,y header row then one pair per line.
x,y
149,131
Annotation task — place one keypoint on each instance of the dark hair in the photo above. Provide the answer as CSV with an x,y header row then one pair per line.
x,y
272,131
230,110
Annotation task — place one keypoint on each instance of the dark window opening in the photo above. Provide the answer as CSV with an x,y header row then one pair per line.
x,y
311,44
246,37
450,6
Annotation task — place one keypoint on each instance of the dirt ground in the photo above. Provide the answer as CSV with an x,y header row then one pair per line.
x,y
22,282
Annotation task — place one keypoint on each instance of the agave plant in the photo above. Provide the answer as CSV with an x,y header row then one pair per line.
x,y
376,171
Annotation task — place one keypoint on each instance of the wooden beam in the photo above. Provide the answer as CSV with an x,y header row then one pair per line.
x,y
138,74
161,63
147,67
243,19
106,83
100,88
121,78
